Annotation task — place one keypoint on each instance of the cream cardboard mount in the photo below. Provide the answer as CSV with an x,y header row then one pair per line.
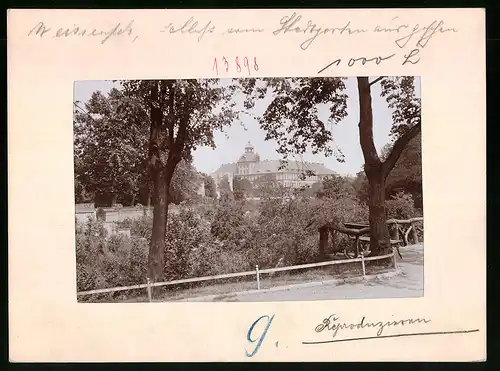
x,y
48,50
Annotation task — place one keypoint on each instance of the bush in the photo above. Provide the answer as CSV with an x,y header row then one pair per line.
x,y
228,217
103,263
185,232
401,206
216,238
100,214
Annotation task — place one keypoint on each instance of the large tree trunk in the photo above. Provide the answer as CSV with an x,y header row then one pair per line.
x,y
323,242
376,170
379,231
156,258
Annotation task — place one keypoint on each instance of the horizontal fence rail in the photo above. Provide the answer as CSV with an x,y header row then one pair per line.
x,y
257,272
405,221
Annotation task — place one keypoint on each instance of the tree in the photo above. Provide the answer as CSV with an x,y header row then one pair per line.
x,y
293,120
267,185
181,115
336,186
185,183
406,176
108,146
81,195
360,184
210,187
314,190
102,138
242,188
226,193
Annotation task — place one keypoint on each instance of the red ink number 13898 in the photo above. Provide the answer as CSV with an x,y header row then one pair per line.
x,y
225,65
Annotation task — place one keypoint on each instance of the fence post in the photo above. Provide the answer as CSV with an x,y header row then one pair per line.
x,y
414,233
394,257
363,262
149,289
258,278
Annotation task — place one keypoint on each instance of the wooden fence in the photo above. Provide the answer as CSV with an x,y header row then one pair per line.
x,y
258,272
405,227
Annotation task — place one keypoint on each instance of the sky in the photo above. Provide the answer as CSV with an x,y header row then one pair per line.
x,y
231,143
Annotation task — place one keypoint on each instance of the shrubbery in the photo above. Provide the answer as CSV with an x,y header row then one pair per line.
x,y
103,262
217,238
401,206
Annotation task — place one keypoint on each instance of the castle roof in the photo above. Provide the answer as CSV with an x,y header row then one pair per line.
x,y
273,166
249,157
227,168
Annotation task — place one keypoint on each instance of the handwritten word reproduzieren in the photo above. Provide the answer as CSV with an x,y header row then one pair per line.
x,y
333,324
235,65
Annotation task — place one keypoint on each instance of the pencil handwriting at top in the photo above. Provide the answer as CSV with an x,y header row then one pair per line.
x,y
330,323
293,24
233,30
425,34
104,34
191,26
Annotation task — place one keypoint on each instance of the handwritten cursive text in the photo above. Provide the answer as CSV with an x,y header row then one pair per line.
x,y
41,29
424,34
292,23
331,323
191,26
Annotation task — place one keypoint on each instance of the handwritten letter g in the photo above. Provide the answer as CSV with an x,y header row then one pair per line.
x,y
260,339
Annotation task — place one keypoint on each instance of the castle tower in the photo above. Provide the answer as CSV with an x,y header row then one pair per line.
x,y
249,148
247,160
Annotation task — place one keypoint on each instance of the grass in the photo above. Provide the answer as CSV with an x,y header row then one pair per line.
x,y
227,287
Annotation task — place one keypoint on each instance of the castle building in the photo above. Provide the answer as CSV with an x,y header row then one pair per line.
x,y
295,174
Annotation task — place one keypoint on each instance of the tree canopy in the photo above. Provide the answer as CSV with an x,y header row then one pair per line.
x,y
111,142
109,148
293,119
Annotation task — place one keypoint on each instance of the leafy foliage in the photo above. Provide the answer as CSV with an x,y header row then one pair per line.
x,y
226,193
406,176
361,187
242,188
111,147
292,118
210,186
266,185
401,206
336,187
108,146
103,263
185,183
228,217
191,110
400,95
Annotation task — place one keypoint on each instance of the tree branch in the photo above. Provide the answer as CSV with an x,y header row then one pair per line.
x,y
398,148
155,127
171,115
377,80
366,125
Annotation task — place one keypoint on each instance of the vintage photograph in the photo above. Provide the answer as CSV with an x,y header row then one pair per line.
x,y
248,189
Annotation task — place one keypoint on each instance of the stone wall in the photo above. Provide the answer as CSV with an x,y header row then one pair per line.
x,y
83,216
